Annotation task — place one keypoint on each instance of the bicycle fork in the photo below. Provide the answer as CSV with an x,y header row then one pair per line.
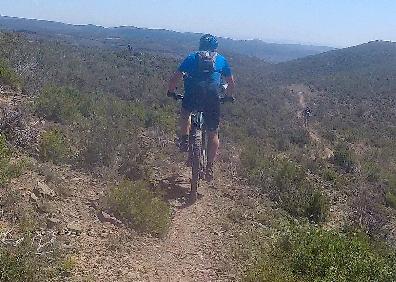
x,y
197,152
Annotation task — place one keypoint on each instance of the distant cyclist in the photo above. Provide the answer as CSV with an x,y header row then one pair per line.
x,y
307,115
202,72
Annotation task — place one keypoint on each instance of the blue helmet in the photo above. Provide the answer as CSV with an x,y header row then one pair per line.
x,y
208,42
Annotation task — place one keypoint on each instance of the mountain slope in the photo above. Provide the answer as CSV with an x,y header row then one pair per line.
x,y
163,41
377,58
358,80
282,188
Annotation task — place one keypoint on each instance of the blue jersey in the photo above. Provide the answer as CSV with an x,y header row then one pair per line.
x,y
190,66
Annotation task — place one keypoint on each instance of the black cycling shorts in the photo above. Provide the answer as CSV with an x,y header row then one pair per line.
x,y
204,97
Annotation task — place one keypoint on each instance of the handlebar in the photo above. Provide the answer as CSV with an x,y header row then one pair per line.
x,y
223,99
223,96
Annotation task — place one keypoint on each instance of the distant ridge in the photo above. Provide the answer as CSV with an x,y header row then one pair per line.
x,y
159,40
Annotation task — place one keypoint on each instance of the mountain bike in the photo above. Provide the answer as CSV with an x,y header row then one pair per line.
x,y
197,143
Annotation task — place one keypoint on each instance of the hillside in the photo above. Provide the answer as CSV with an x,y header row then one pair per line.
x,y
158,41
376,58
353,84
91,178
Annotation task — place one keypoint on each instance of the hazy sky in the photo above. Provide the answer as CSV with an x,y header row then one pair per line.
x,y
330,22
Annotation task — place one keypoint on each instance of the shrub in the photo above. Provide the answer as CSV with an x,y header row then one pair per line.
x,y
299,137
269,269
142,208
15,267
368,213
391,191
329,174
162,117
331,256
59,104
318,255
372,171
99,142
287,182
54,147
9,77
8,170
299,196
345,158
391,199
21,263
66,266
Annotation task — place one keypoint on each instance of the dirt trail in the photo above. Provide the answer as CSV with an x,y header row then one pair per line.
x,y
302,92
338,206
195,249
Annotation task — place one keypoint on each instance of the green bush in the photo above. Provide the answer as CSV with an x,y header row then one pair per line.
x,y
22,264
254,165
372,171
300,137
8,170
9,77
15,267
60,104
391,193
287,182
269,269
102,126
345,158
162,117
299,196
390,198
142,208
329,174
319,255
54,147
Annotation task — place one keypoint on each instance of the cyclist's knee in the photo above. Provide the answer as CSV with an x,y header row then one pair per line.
x,y
213,135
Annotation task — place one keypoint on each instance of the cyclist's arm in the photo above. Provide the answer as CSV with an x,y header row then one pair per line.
x,y
227,73
175,79
186,67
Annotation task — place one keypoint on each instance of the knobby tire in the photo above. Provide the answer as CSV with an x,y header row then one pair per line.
x,y
196,163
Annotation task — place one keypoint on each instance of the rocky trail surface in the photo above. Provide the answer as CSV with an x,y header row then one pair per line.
x,y
196,248
66,204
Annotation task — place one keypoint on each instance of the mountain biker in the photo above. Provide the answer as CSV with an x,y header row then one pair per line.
x,y
202,72
307,114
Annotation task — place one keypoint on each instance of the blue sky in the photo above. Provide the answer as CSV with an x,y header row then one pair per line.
x,y
330,22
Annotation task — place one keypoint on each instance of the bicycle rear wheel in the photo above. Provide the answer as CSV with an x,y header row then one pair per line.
x,y
196,163
204,153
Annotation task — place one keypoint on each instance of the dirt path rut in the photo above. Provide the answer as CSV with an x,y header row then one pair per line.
x,y
196,248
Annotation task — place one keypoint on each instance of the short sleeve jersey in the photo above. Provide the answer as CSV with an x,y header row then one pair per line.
x,y
190,66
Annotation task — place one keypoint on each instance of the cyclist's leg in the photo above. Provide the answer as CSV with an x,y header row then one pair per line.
x,y
185,123
213,146
212,121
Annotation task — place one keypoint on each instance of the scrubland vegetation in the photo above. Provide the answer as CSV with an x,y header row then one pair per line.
x,y
98,103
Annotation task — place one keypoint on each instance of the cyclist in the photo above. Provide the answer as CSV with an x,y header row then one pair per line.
x,y
202,72
307,114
